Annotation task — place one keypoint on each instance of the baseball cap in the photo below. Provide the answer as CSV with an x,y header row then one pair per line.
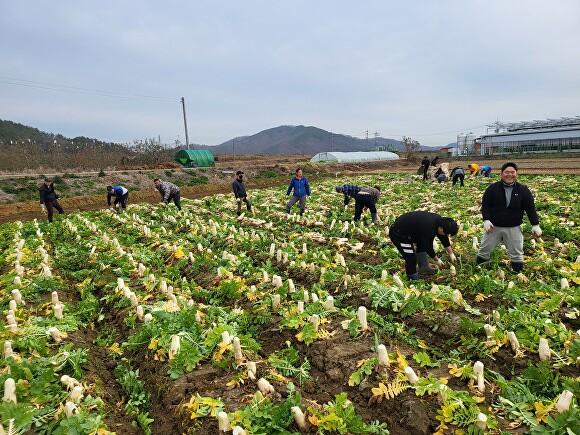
x,y
239,173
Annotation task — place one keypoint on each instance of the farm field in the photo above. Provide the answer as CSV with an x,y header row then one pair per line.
x,y
156,320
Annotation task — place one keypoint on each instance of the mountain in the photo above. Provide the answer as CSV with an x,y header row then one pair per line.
x,y
289,139
285,139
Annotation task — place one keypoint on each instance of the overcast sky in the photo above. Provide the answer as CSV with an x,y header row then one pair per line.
x,y
116,70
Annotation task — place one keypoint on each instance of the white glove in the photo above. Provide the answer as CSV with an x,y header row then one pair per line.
x,y
536,230
487,226
438,262
452,257
239,199
43,208
163,204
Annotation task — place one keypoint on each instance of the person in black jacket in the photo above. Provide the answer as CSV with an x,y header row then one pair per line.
x,y
367,197
413,234
48,199
240,192
425,163
502,207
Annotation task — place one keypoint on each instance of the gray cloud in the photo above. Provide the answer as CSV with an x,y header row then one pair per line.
x,y
424,69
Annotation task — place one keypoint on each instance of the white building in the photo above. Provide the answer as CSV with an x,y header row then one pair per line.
x,y
551,135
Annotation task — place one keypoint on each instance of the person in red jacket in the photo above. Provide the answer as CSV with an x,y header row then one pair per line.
x,y
502,207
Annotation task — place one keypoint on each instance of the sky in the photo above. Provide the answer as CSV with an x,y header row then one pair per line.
x,y
116,70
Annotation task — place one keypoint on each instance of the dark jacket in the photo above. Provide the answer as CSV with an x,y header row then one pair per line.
x,y
239,189
369,192
425,162
301,187
493,205
420,228
457,171
47,193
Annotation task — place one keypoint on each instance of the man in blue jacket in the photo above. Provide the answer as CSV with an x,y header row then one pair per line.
x,y
120,193
502,207
301,190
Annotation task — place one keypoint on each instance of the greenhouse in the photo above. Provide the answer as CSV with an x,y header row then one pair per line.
x,y
195,158
354,157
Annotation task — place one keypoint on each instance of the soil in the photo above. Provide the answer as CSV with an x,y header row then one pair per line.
x,y
333,360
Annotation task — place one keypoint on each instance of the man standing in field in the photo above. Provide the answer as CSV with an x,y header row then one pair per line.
x,y
425,163
301,190
240,192
48,199
413,234
168,192
502,207
120,193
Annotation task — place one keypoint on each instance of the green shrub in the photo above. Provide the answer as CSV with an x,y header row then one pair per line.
x,y
168,173
202,179
268,174
57,179
102,173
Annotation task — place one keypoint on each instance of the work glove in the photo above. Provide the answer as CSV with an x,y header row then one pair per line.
x,y
487,226
536,230
239,199
438,262
163,204
43,208
452,257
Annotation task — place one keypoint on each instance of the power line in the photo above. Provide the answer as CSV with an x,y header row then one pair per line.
x,y
82,91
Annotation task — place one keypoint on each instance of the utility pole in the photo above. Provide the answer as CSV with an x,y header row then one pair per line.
x,y
185,122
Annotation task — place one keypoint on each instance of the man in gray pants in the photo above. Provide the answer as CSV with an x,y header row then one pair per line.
x,y
503,206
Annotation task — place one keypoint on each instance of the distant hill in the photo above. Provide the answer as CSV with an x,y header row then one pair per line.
x,y
289,139
285,139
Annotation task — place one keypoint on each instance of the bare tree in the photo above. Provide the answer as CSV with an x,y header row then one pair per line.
x,y
411,146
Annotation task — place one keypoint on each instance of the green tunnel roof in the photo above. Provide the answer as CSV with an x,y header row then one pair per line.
x,y
195,158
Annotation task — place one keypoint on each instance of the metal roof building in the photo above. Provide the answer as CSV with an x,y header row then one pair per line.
x,y
550,135
354,157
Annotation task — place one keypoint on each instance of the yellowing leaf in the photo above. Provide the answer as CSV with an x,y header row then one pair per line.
x,y
479,297
455,371
152,344
542,410
115,348
179,253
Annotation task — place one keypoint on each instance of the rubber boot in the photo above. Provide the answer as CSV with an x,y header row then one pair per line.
x,y
413,277
480,260
424,268
517,267
374,218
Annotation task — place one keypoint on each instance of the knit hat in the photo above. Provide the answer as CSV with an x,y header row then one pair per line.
x,y
338,188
